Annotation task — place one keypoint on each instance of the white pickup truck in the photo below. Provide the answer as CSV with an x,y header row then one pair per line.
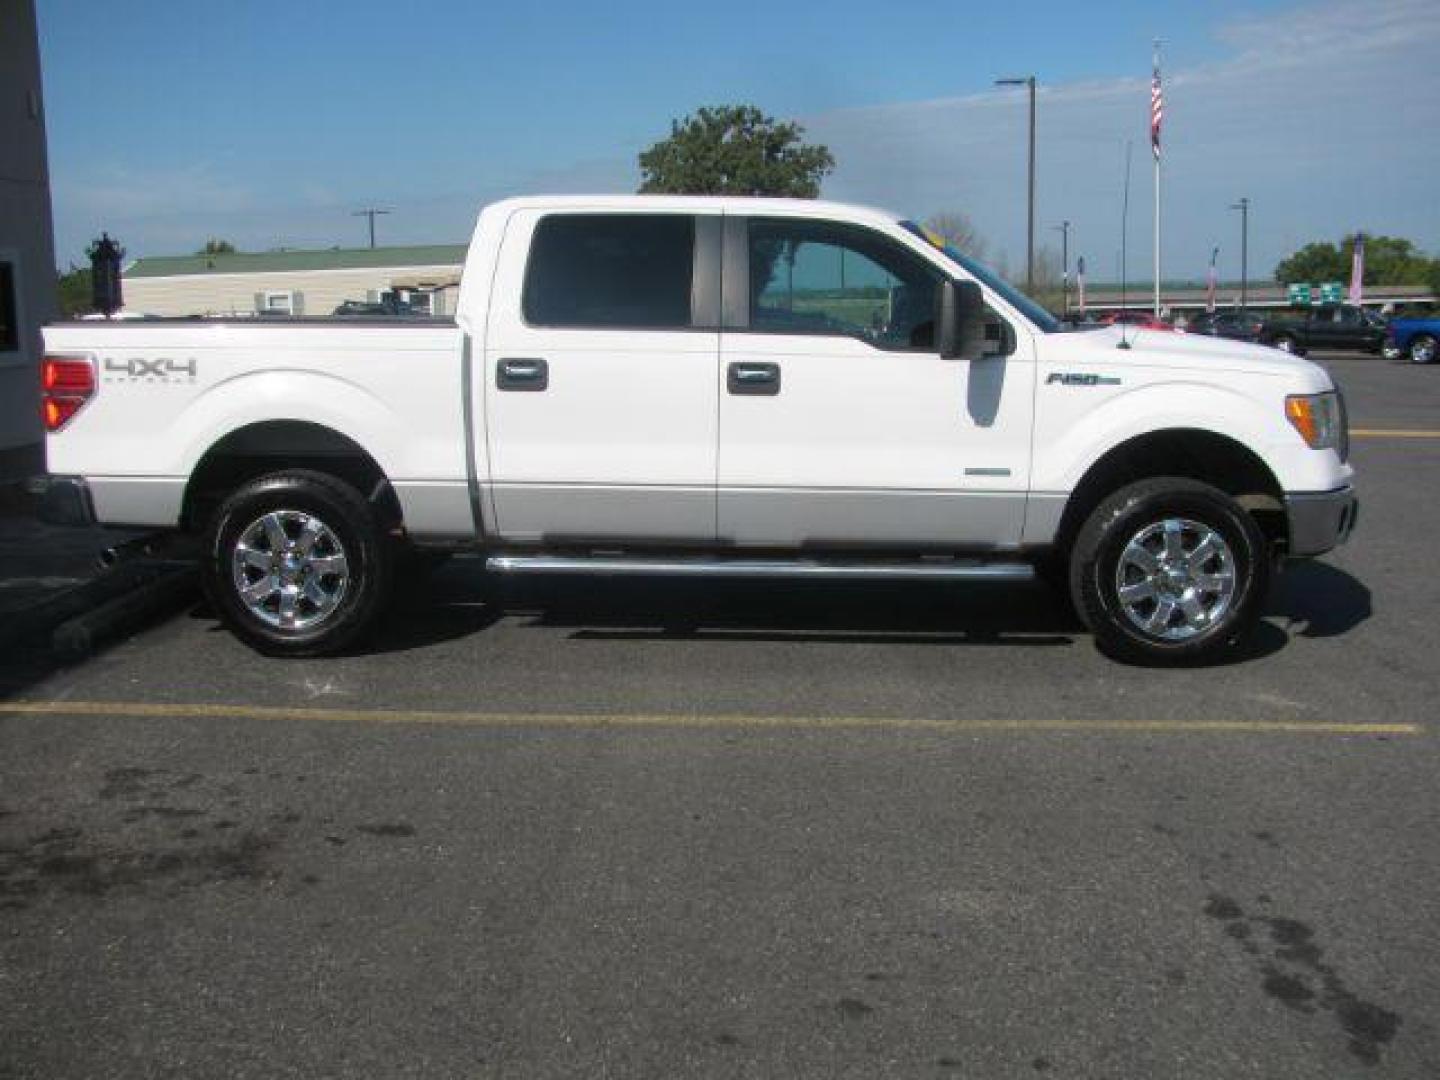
x,y
711,387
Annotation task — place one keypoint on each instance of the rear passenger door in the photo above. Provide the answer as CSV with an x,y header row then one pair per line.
x,y
601,363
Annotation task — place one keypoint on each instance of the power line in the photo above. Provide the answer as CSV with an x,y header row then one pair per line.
x,y
371,213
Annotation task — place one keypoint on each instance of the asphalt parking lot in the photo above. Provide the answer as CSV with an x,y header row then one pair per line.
x,y
650,830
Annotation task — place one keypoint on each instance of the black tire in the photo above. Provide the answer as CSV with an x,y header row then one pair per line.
x,y
1134,513
1422,349
351,600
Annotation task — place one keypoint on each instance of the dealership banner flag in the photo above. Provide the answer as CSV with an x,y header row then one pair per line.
x,y
1080,282
1210,282
1357,270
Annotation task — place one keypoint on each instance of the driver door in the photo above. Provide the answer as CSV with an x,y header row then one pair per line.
x,y
840,424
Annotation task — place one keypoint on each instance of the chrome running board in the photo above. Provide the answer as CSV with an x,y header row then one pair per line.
x,y
679,566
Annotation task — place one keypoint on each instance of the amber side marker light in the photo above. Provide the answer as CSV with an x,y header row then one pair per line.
x,y
66,384
1316,417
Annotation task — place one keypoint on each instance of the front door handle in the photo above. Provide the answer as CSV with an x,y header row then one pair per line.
x,y
749,378
527,374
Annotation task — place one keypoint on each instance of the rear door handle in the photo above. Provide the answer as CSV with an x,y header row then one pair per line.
x,y
527,374
750,378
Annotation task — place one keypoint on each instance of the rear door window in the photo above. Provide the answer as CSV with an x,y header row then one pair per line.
x,y
611,271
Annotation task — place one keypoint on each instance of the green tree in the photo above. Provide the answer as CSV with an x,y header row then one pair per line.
x,y
75,291
734,150
217,247
1321,261
1389,260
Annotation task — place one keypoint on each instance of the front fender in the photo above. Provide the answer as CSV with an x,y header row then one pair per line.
x,y
1073,431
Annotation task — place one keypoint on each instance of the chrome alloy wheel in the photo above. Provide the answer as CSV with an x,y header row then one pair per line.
x,y
290,569
1175,579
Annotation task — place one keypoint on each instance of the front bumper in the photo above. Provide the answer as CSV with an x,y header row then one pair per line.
x,y
1320,520
62,500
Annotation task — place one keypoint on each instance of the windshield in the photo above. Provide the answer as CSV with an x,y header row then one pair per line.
x,y
991,280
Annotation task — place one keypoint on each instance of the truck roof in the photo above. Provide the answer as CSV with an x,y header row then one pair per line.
x,y
712,204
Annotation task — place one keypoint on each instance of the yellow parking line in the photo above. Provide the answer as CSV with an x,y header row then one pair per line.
x,y
696,721
1389,433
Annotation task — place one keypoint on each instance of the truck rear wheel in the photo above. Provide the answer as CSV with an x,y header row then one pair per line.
x,y
1169,571
296,564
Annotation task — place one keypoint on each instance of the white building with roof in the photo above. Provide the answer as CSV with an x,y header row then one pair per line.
x,y
423,281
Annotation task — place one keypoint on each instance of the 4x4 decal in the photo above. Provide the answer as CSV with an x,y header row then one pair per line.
x,y
150,369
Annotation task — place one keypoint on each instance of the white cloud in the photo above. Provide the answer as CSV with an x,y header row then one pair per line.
x,y
1307,119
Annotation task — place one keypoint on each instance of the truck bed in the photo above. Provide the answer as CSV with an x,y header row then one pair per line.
x,y
168,390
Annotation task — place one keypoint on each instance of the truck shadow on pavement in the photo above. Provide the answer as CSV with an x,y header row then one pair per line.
x,y
1311,599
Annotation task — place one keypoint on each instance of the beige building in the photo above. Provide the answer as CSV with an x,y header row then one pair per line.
x,y
27,244
423,280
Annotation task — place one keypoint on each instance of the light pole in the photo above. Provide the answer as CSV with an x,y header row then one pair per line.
x,y
1028,80
1244,207
1064,230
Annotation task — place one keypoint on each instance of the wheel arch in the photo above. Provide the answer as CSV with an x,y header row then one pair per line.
x,y
256,449
1193,453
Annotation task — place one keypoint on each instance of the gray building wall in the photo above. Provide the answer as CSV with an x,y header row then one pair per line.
x,y
27,241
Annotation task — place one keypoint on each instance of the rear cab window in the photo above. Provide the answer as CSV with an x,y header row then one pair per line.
x,y
619,271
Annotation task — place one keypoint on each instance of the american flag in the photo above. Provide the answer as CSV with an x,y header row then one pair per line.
x,y
1157,111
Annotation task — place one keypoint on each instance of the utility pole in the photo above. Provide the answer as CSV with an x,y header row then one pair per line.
x,y
1028,80
370,213
1244,207
1064,230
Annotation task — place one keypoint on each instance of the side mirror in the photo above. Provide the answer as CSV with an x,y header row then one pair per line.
x,y
960,320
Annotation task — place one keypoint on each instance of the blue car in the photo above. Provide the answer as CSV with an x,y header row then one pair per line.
x,y
1415,338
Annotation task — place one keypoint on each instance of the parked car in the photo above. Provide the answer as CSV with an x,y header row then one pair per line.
x,y
1233,323
388,307
1342,326
617,398
1138,320
1413,337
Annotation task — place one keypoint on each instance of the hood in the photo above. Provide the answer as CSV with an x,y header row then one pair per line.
x,y
1182,352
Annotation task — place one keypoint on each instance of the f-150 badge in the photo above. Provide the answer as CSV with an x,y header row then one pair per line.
x,y
1070,378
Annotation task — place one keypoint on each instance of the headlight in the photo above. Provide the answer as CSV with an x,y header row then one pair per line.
x,y
1318,418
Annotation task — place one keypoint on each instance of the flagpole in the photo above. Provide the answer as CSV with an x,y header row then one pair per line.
x,y
1155,148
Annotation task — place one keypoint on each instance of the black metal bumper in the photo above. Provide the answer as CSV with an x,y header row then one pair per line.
x,y
62,500
1320,520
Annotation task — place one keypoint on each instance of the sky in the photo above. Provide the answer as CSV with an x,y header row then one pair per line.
x,y
269,125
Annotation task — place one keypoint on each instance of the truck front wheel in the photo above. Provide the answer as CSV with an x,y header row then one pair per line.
x,y
1169,571
296,564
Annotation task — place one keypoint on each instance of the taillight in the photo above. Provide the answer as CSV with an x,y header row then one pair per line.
x,y
66,385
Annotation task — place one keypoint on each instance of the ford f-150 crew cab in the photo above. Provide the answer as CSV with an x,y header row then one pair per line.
x,y
715,387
